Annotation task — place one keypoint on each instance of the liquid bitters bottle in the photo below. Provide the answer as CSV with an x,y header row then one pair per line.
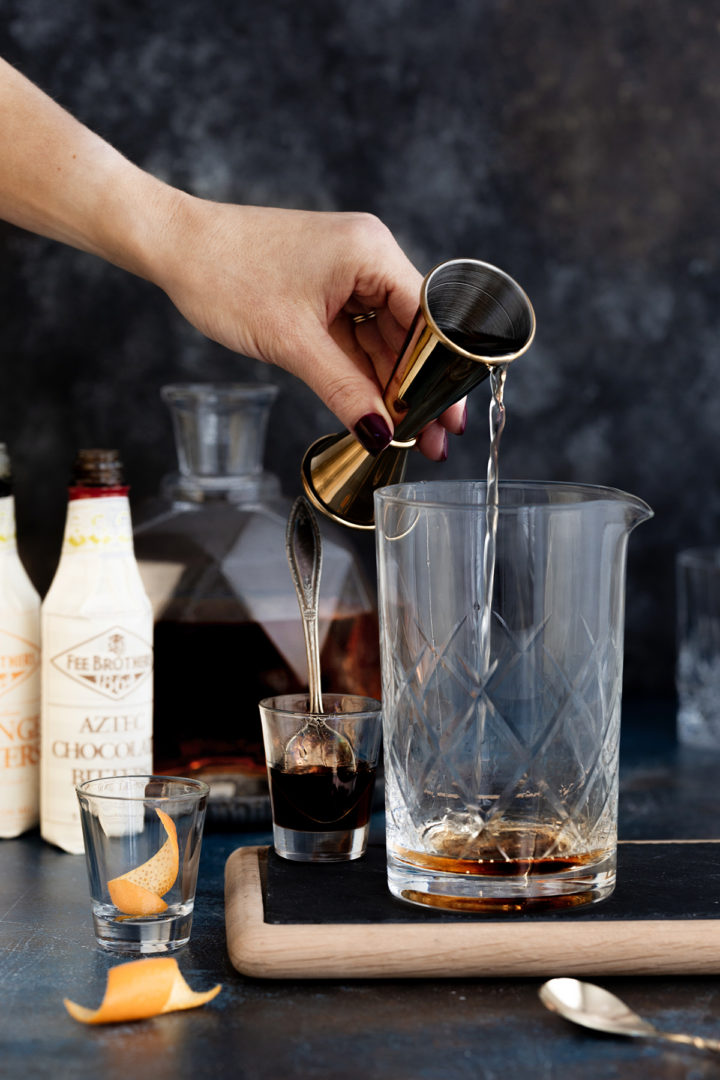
x,y
97,650
19,675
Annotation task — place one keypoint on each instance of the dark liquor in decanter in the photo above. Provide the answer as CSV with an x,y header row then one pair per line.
x,y
228,632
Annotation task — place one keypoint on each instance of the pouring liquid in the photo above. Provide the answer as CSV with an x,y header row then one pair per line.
x,y
492,500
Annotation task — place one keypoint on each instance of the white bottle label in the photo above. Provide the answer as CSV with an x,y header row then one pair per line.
x,y
19,685
97,665
7,523
19,721
98,526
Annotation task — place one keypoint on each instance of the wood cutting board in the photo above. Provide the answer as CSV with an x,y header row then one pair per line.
x,y
288,920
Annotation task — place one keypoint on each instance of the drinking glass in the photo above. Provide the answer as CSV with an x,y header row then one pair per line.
x,y
502,649
698,647
321,772
142,838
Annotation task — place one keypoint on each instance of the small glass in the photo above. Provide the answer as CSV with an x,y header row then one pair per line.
x,y
698,647
142,839
321,772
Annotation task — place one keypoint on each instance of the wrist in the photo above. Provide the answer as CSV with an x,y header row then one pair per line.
x,y
195,239
133,219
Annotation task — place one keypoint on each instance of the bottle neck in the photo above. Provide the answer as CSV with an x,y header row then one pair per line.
x,y
98,524
8,540
80,492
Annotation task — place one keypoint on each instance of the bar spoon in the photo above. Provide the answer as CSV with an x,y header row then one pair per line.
x,y
596,1008
317,744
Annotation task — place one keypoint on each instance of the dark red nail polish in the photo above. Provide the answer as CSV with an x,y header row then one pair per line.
x,y
373,433
444,454
463,422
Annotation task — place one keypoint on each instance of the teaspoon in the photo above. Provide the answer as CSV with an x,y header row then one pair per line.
x,y
592,1007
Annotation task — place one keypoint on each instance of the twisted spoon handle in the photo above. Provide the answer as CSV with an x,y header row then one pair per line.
x,y
691,1040
303,546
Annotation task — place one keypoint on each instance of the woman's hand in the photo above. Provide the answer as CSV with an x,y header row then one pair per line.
x,y
278,285
283,285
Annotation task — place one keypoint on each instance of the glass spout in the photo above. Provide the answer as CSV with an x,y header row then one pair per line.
x,y
636,510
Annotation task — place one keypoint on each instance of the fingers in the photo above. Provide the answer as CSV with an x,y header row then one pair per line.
x,y
378,339
384,277
342,375
433,442
367,342
454,419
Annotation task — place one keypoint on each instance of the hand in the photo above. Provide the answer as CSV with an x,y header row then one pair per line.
x,y
277,285
282,286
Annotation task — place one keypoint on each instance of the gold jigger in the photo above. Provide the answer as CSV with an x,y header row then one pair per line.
x,y
471,317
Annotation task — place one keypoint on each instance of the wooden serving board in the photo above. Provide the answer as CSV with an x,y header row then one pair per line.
x,y
288,920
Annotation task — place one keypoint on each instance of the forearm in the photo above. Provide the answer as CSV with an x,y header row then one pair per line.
x,y
62,181
278,285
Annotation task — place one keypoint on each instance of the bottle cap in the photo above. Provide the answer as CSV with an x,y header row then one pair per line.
x,y
5,471
97,468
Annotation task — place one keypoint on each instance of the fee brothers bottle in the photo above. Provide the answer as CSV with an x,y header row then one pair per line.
x,y
97,651
19,675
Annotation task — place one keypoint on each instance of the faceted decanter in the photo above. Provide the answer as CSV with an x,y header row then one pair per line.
x,y
211,550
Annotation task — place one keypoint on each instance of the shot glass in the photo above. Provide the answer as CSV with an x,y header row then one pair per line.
x,y
321,774
142,839
698,647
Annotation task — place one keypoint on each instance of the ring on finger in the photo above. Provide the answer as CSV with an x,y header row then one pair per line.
x,y
364,316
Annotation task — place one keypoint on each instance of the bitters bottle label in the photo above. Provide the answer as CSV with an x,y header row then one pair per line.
x,y
99,692
19,723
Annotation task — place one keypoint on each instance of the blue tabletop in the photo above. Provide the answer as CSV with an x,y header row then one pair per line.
x,y
261,1030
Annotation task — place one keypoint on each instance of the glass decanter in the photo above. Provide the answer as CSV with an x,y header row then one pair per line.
x,y
211,552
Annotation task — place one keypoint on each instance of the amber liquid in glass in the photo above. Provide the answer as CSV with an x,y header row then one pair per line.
x,y
507,854
490,862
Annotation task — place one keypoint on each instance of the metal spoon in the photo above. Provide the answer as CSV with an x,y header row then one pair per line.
x,y
592,1007
316,743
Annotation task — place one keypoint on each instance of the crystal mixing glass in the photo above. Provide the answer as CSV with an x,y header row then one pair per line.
x,y
501,718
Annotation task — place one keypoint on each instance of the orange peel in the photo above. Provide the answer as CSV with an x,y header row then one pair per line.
x,y
141,989
140,891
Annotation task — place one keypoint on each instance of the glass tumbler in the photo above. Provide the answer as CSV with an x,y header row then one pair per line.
x,y
698,647
502,650
142,838
321,772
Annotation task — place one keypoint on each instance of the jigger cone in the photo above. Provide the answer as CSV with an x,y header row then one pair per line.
x,y
472,316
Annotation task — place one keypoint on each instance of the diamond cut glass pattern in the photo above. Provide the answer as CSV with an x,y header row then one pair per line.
x,y
501,744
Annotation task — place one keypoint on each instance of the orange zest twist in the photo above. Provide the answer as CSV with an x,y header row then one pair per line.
x,y
140,989
140,891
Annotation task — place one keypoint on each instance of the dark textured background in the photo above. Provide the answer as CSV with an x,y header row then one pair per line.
x,y
575,145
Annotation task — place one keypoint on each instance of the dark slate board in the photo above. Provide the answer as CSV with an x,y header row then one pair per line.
x,y
655,881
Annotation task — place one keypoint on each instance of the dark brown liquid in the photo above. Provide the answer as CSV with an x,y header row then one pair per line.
x,y
499,867
507,855
481,344
210,676
507,852
318,798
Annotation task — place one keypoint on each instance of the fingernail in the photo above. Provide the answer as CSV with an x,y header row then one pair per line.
x,y
373,433
444,454
463,422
